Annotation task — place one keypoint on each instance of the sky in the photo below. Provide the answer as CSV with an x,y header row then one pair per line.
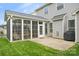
x,y
19,7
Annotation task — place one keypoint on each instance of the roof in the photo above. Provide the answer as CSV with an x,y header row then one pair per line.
x,y
58,17
14,13
75,12
47,4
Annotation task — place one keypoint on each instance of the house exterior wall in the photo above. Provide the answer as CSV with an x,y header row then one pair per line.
x,y
57,29
60,26
68,9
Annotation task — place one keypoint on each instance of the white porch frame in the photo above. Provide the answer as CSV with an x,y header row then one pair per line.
x,y
31,28
11,30
16,15
48,29
43,29
38,29
22,29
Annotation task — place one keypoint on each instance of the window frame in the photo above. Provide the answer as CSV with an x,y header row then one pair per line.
x,y
60,6
51,26
46,10
71,27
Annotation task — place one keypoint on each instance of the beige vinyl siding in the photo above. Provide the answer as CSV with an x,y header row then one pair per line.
x,y
57,29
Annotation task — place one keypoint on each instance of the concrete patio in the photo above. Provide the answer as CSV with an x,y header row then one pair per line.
x,y
54,43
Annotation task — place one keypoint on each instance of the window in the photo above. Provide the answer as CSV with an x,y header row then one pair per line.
x,y
46,10
40,22
71,25
50,27
41,32
46,28
59,6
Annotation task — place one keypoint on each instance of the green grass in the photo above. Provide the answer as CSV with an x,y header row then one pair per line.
x,y
73,51
28,48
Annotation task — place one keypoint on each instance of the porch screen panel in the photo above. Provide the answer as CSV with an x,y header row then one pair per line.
x,y
17,28
34,29
8,29
27,29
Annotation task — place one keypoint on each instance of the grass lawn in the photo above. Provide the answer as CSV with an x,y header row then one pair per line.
x,y
28,48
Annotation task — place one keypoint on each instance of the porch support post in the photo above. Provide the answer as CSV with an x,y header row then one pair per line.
x,y
38,29
43,28
22,29
63,22
11,30
77,27
48,29
31,28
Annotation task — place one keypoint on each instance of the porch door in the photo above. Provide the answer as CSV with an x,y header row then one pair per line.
x,y
41,31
